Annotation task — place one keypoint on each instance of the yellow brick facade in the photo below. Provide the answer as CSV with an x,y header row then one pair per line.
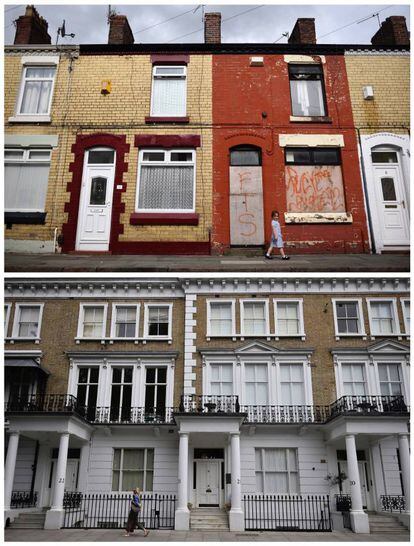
x,y
79,108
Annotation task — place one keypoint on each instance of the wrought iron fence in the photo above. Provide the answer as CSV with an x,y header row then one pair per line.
x,y
23,499
368,405
343,503
287,513
284,414
110,511
392,503
121,415
191,403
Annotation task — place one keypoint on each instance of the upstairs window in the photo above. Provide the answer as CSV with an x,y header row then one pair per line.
x,y
36,91
353,379
292,388
221,318
166,180
169,91
383,317
254,318
125,321
348,317
221,383
27,321
289,318
92,321
406,314
307,90
390,379
158,321
256,384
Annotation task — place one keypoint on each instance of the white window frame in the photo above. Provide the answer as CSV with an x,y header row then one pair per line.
x,y
361,321
147,306
267,324
16,322
299,302
135,306
390,362
362,360
26,160
29,61
81,319
167,162
288,471
153,78
256,362
405,317
233,316
7,312
207,375
393,302
121,464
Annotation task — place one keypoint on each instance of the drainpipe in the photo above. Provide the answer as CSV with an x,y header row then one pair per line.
x,y
364,183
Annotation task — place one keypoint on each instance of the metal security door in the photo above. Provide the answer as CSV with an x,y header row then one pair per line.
x,y
392,206
208,483
95,209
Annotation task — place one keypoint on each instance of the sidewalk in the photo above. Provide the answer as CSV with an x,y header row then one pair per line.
x,y
98,535
352,263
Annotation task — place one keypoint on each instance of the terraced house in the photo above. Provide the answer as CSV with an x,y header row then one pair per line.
x,y
262,403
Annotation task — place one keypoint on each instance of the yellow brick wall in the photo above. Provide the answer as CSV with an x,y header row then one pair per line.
x,y
390,77
78,107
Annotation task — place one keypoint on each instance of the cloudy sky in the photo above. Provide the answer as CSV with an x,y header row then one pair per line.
x,y
178,23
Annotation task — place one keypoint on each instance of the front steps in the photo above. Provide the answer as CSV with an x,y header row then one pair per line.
x,y
385,523
209,519
29,520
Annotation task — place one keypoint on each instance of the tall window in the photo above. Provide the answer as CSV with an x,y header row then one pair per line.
x,y
221,382
125,321
36,93
291,384
390,379
26,174
92,321
406,314
307,90
155,391
348,317
133,468
7,309
255,319
169,90
87,392
158,321
353,379
276,471
288,318
27,321
383,319
221,318
166,180
256,384
121,393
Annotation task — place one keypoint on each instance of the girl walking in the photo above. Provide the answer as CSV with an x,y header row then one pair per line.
x,y
276,240
132,523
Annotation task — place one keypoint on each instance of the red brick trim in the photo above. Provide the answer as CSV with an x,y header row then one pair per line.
x,y
158,119
163,219
83,143
170,59
167,141
153,247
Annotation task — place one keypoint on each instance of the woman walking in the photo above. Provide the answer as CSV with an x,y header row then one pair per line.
x,y
134,512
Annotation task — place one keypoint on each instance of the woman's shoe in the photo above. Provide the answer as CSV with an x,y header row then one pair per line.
x,y
285,257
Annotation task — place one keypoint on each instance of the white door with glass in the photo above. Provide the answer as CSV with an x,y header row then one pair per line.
x,y
392,206
208,482
95,207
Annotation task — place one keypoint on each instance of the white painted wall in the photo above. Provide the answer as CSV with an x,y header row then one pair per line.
x,y
388,449
25,458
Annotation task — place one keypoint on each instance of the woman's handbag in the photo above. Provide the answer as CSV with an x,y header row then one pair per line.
x,y
135,508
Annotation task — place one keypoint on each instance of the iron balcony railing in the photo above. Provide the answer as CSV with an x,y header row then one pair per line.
x,y
368,405
284,414
132,416
23,499
392,503
44,403
206,403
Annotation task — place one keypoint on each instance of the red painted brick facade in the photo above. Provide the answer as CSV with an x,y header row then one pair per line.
x,y
252,106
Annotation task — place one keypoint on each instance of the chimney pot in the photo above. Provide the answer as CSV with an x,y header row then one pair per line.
x,y
212,28
119,30
31,28
303,32
393,31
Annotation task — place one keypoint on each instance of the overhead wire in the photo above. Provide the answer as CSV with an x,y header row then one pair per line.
x,y
165,21
353,22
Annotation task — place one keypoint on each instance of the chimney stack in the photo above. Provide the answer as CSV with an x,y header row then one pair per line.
x,y
303,32
212,28
393,31
119,30
31,28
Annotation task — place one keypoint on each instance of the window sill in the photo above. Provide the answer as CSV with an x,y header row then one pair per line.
x,y
111,341
310,119
164,219
318,218
338,337
24,218
163,119
30,119
13,340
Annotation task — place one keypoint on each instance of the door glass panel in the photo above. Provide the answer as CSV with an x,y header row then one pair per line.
x,y
388,189
384,157
98,191
101,156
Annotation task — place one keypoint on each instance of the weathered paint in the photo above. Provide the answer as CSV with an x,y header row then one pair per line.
x,y
311,140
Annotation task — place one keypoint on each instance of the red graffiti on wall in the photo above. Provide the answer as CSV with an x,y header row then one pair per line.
x,y
246,218
314,189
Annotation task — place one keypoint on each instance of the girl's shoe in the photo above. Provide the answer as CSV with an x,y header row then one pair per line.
x,y
146,533
285,257
268,257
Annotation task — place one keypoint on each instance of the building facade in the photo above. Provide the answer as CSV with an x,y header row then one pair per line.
x,y
218,392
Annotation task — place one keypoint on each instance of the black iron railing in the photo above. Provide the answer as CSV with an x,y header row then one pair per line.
x,y
343,503
133,415
110,511
287,513
368,405
392,503
284,414
44,403
191,403
23,499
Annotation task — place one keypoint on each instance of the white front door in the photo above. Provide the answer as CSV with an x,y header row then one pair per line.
x,y
95,208
346,488
392,206
71,479
208,482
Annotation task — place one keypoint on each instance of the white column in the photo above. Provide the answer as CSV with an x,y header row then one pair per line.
x,y
182,513
359,519
10,468
54,516
404,449
236,518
